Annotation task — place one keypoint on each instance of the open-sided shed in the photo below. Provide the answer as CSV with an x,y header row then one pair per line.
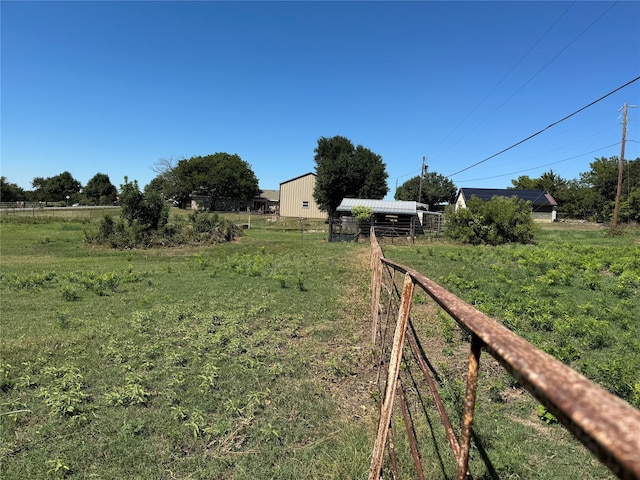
x,y
390,218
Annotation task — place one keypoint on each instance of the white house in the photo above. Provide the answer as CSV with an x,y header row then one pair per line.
x,y
543,205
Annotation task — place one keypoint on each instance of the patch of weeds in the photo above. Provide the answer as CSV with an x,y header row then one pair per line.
x,y
197,424
65,395
58,468
62,316
338,366
496,391
281,280
133,428
256,265
448,326
33,280
6,382
545,415
131,393
70,294
201,261
208,378
101,284
269,433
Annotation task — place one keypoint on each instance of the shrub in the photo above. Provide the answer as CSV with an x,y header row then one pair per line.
x,y
147,208
362,214
494,222
199,228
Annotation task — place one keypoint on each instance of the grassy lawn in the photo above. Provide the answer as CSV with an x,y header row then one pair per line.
x,y
252,359
235,361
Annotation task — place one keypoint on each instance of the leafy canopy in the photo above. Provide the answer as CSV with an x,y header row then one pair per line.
x,y
436,189
145,210
219,176
593,195
10,192
493,222
100,189
345,171
56,188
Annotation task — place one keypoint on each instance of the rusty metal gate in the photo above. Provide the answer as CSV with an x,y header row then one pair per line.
x,y
605,424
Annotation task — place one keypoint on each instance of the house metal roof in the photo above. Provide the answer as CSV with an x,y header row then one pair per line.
x,y
399,207
536,197
271,195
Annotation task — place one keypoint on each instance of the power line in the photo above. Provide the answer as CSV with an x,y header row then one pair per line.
x,y
545,165
546,128
526,54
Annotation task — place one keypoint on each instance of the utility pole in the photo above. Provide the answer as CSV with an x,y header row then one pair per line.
x,y
424,169
621,165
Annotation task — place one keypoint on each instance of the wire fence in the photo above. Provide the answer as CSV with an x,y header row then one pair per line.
x,y
36,209
603,423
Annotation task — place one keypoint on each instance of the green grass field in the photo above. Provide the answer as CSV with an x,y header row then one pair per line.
x,y
228,362
252,359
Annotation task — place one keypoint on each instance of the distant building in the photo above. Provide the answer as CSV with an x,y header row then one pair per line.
x,y
543,205
296,198
267,202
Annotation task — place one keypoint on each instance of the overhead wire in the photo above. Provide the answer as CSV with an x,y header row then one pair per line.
x,y
545,165
545,128
545,65
525,55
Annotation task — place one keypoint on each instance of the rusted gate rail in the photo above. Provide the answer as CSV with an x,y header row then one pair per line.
x,y
606,425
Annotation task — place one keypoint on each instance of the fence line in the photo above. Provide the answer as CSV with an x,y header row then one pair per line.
x,y
605,424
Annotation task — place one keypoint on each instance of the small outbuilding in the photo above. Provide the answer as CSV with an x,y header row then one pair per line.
x,y
543,205
389,218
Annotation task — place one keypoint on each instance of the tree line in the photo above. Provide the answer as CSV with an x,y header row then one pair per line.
x,y
224,181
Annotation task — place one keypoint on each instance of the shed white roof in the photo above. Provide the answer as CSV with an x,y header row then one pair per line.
x,y
396,207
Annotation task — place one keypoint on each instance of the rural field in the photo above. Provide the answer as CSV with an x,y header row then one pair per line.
x,y
252,359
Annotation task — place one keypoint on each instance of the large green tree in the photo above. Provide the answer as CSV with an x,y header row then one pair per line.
x,y
549,181
220,176
436,189
10,192
100,189
602,179
56,188
593,195
561,190
345,171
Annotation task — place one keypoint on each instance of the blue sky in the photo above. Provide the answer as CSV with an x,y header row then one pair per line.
x,y
113,87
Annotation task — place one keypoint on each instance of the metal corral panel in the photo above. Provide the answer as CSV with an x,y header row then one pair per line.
x,y
400,207
296,198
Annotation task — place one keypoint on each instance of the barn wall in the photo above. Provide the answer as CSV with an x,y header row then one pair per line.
x,y
294,194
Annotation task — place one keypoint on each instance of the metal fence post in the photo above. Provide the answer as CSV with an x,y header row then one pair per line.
x,y
392,378
469,406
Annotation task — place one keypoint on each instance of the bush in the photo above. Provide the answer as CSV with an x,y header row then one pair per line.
x,y
147,208
362,214
199,228
494,222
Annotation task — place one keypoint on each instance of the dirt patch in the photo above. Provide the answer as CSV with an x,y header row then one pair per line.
x,y
348,365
